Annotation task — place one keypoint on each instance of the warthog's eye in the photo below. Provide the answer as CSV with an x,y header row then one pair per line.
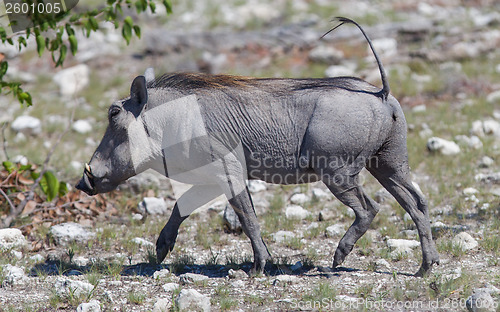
x,y
113,111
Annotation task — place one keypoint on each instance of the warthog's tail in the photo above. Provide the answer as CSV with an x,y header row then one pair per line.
x,y
385,84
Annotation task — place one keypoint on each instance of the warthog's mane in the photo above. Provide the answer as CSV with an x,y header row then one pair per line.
x,y
207,81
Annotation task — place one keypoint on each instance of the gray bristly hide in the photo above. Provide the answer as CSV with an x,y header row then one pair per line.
x,y
217,131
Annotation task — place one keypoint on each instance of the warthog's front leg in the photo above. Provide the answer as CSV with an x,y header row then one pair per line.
x,y
166,241
192,199
243,206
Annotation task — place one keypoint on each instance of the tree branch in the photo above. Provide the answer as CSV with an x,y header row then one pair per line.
x,y
4,141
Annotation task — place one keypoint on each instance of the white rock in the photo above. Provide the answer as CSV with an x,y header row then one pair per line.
x,y
20,159
481,301
170,287
486,127
237,274
313,225
491,127
493,97
238,284
327,214
470,191
91,306
82,126
486,162
65,286
334,230
296,212
402,243
72,80
326,54
477,128
81,261
493,177
338,71
472,141
319,194
137,216
189,278
153,206
282,236
192,300
164,273
27,125
419,108
255,186
13,275
66,233
443,146
162,305
385,46
383,263
462,50
37,258
142,242
465,241
76,165
496,114
299,199
11,239
452,274
286,279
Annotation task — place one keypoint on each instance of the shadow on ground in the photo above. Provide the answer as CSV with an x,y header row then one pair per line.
x,y
59,267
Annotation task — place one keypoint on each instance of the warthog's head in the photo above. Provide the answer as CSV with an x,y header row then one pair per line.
x,y
112,162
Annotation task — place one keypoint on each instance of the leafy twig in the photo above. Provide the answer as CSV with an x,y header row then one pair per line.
x,y
15,211
12,207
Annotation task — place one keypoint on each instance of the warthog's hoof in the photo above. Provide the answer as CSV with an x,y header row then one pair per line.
x,y
426,269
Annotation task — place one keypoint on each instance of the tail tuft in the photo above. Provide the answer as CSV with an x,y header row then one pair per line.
x,y
384,93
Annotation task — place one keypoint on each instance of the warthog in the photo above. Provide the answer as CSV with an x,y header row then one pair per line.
x,y
217,131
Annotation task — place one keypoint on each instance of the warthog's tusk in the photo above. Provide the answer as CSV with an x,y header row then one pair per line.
x,y
87,168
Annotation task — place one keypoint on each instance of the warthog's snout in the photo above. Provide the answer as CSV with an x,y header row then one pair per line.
x,y
86,183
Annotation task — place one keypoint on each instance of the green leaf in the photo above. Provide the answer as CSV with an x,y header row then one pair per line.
x,y
9,166
69,30
129,21
62,55
63,188
23,96
138,6
152,6
25,167
127,32
74,18
3,68
168,6
137,31
40,44
49,185
93,23
35,175
22,41
73,44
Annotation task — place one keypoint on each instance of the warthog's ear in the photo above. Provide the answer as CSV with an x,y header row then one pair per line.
x,y
138,91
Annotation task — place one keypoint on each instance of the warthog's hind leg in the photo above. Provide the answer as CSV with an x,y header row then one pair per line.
x,y
352,195
398,183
